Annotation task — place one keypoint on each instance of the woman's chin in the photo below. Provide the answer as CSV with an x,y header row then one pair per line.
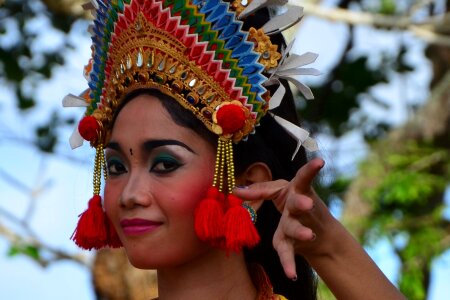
x,y
148,259
142,262
160,257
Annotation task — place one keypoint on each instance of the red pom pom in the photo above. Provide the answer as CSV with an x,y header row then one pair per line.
x,y
231,118
91,232
208,219
113,239
88,128
239,229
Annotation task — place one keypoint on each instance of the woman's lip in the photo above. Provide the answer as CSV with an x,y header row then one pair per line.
x,y
138,226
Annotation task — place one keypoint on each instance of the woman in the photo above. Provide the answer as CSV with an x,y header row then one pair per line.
x,y
178,100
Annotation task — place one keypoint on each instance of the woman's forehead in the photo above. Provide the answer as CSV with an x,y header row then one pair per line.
x,y
141,111
145,118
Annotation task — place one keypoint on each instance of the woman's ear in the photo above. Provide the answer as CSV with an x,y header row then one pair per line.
x,y
256,172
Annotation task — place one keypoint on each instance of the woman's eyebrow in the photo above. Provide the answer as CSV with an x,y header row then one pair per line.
x,y
152,144
113,146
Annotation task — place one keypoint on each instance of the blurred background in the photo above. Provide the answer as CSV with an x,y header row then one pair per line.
x,y
381,115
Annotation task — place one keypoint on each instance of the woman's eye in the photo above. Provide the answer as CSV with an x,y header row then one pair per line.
x,y
115,167
165,164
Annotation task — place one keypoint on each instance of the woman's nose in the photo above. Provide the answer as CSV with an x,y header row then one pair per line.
x,y
137,192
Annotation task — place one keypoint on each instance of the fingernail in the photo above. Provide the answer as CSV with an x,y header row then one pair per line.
x,y
241,186
313,238
294,278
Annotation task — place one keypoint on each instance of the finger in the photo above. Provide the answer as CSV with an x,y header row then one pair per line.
x,y
295,230
261,190
303,209
298,204
305,176
285,250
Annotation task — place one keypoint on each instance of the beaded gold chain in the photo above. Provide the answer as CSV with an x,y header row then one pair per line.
x,y
224,157
100,165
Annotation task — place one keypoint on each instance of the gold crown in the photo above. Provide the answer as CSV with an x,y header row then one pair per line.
x,y
144,56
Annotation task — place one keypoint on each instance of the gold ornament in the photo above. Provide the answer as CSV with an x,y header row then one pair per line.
x,y
269,52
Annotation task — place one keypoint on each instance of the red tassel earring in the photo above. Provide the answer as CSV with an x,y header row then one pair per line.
x,y
227,226
210,212
94,230
239,228
234,229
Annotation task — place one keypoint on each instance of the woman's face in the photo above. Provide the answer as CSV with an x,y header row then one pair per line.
x,y
158,172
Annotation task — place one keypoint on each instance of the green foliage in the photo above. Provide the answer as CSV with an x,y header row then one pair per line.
x,y
24,249
334,190
339,97
405,183
20,63
406,197
400,65
47,134
384,7
410,183
424,244
388,7
408,179
411,284
23,66
409,190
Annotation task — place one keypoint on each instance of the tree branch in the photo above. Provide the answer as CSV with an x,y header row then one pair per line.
x,y
56,254
28,239
71,8
427,31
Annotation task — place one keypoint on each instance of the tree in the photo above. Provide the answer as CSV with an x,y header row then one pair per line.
x,y
398,193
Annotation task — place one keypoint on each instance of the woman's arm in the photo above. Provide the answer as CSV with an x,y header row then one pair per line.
x,y
308,228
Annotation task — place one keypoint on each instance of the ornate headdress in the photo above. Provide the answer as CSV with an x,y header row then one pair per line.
x,y
198,53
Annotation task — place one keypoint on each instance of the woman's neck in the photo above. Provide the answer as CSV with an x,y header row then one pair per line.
x,y
211,276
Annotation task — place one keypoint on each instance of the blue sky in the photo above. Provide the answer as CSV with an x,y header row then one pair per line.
x,y
67,185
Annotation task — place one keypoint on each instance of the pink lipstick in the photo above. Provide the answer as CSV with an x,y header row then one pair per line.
x,y
138,226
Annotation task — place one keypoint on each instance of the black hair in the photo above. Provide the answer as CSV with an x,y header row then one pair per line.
x,y
272,145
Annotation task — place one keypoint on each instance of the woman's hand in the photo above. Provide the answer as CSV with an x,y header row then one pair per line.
x,y
304,215
307,228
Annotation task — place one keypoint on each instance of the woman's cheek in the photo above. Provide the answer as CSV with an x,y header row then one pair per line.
x,y
111,200
194,193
